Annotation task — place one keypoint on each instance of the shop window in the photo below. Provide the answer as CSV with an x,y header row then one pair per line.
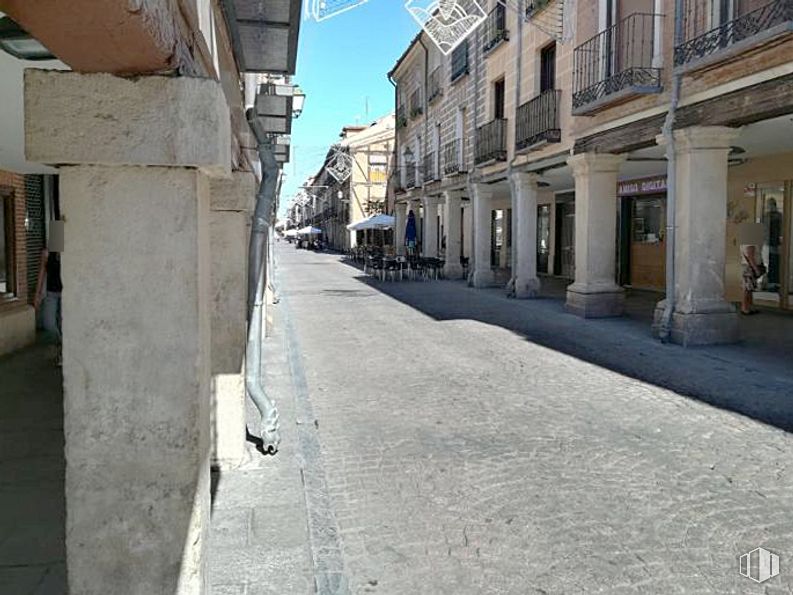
x,y
648,220
7,281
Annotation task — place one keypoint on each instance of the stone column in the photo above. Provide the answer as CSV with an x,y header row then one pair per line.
x,y
483,205
401,218
430,243
231,204
595,292
524,238
452,268
701,315
136,319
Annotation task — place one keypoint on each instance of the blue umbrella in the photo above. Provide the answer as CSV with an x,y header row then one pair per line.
x,y
410,230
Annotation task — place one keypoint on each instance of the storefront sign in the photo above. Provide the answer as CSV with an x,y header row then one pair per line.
x,y
655,185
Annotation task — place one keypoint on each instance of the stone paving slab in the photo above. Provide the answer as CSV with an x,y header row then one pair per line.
x,y
476,445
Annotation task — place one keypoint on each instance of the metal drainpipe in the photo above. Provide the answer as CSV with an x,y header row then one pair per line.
x,y
265,199
518,79
671,176
396,136
426,117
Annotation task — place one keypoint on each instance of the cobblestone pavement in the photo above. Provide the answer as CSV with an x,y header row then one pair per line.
x,y
477,445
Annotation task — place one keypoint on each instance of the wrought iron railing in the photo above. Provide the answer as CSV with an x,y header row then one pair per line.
x,y
495,28
702,41
618,58
535,6
434,89
460,61
416,107
401,117
396,180
410,175
454,157
537,120
430,168
491,141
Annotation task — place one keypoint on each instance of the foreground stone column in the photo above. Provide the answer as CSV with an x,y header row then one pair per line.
x,y
701,315
430,243
483,205
136,319
232,201
524,238
401,218
595,292
452,268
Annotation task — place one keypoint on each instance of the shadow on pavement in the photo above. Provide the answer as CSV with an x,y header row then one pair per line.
x,y
754,377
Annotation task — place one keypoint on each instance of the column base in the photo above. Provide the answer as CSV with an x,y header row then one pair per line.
x,y
483,278
228,421
717,327
527,288
595,303
453,270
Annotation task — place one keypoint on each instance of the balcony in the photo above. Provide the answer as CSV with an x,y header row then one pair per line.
x,y
705,45
615,65
454,158
434,89
410,176
495,28
491,142
396,181
401,117
430,168
537,121
416,107
460,65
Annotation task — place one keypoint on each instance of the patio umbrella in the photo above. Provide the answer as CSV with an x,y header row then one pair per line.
x,y
410,230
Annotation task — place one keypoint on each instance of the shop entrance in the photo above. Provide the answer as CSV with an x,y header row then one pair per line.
x,y
564,258
773,209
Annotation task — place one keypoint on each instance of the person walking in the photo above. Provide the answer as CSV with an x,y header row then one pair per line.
x,y
47,300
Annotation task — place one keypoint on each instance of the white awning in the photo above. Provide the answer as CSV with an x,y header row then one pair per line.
x,y
373,222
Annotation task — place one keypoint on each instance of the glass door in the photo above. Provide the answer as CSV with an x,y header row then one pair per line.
x,y
772,209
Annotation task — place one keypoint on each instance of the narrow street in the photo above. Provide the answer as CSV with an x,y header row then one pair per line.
x,y
460,456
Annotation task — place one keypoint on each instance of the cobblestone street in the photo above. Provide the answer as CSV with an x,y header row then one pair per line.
x,y
463,456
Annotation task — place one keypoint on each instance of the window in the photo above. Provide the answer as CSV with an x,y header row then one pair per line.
x,y
548,68
498,100
460,60
7,280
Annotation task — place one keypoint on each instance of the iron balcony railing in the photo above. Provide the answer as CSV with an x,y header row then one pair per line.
x,y
491,141
460,61
396,180
434,89
619,58
401,117
454,157
410,175
535,6
416,107
702,40
537,120
495,28
430,167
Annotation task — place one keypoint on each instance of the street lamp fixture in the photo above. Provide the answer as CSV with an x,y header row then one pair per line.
x,y
298,101
19,43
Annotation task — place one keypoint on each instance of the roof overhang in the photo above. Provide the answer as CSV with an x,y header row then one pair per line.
x,y
264,34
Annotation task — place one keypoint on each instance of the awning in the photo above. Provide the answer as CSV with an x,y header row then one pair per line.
x,y
309,231
373,222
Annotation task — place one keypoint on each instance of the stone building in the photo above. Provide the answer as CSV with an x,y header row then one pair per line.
x,y
146,130
570,173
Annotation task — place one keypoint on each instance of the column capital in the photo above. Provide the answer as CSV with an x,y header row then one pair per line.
x,y
586,163
702,137
431,200
453,195
522,180
481,190
237,193
101,119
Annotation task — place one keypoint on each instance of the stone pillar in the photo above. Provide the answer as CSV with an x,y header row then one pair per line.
x,y
136,324
401,219
231,202
483,205
701,315
452,268
430,243
524,238
595,292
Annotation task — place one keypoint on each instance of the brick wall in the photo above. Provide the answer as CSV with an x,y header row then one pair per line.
x,y
36,233
16,184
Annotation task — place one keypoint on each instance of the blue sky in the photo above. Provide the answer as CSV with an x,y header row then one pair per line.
x,y
341,62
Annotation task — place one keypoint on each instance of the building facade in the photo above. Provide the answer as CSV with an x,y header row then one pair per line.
x,y
592,120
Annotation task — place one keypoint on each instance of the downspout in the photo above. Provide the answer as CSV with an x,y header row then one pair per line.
x,y
260,228
395,156
472,172
518,80
671,177
426,117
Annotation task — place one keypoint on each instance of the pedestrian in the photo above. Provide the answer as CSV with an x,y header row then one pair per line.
x,y
752,267
49,287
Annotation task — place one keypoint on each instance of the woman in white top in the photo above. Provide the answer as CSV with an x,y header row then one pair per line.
x,y
752,271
